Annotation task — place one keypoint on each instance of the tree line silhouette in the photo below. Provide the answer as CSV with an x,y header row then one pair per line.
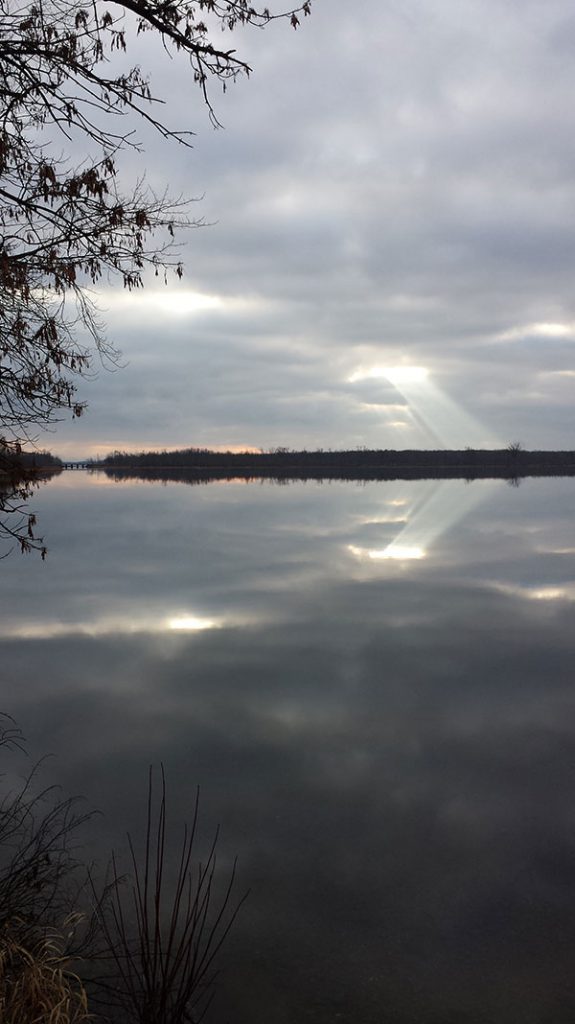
x,y
202,464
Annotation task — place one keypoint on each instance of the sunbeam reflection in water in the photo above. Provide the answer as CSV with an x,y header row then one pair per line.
x,y
446,503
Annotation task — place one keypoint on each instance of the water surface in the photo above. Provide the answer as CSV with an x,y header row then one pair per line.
x,y
373,686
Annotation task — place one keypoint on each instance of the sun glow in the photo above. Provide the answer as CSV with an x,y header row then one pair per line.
x,y
405,374
190,623
394,374
121,623
402,552
444,420
398,552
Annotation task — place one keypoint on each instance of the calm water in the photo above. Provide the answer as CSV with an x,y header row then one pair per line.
x,y
373,686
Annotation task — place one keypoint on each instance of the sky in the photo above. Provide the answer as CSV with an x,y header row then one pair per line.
x,y
389,259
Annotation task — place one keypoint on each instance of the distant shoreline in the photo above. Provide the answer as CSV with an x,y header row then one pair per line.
x,y
202,465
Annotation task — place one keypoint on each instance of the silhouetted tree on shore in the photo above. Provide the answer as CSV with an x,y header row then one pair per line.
x,y
20,474
65,76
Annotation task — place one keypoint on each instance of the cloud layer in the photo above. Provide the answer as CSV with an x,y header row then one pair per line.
x,y
395,186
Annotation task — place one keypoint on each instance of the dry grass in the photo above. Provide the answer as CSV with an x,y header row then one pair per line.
x,y
37,888
37,985
146,945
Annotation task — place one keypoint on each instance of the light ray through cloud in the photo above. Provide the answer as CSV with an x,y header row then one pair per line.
x,y
444,420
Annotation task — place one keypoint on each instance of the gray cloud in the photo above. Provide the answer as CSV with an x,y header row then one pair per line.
x,y
395,185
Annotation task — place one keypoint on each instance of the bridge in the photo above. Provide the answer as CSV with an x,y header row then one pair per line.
x,y
74,465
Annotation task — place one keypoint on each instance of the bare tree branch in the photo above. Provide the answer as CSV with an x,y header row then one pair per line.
x,y
65,227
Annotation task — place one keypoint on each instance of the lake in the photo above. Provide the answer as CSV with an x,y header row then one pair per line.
x,y
373,687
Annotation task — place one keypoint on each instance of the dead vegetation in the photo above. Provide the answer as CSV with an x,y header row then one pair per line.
x,y
37,983
140,949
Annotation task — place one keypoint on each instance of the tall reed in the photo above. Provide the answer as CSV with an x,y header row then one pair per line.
x,y
164,935
144,948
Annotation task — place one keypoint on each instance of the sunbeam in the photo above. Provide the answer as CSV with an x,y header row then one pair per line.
x,y
443,419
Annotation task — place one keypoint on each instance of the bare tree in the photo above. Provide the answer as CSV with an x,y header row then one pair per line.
x,y
65,73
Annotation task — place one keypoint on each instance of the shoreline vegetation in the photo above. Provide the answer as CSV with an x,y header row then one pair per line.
x,y
21,466
21,473
133,942
202,465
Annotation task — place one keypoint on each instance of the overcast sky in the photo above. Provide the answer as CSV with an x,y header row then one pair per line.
x,y
391,256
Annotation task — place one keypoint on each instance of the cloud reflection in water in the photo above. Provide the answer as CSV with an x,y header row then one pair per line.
x,y
391,756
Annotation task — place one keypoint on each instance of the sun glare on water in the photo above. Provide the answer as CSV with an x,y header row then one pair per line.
x,y
190,623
